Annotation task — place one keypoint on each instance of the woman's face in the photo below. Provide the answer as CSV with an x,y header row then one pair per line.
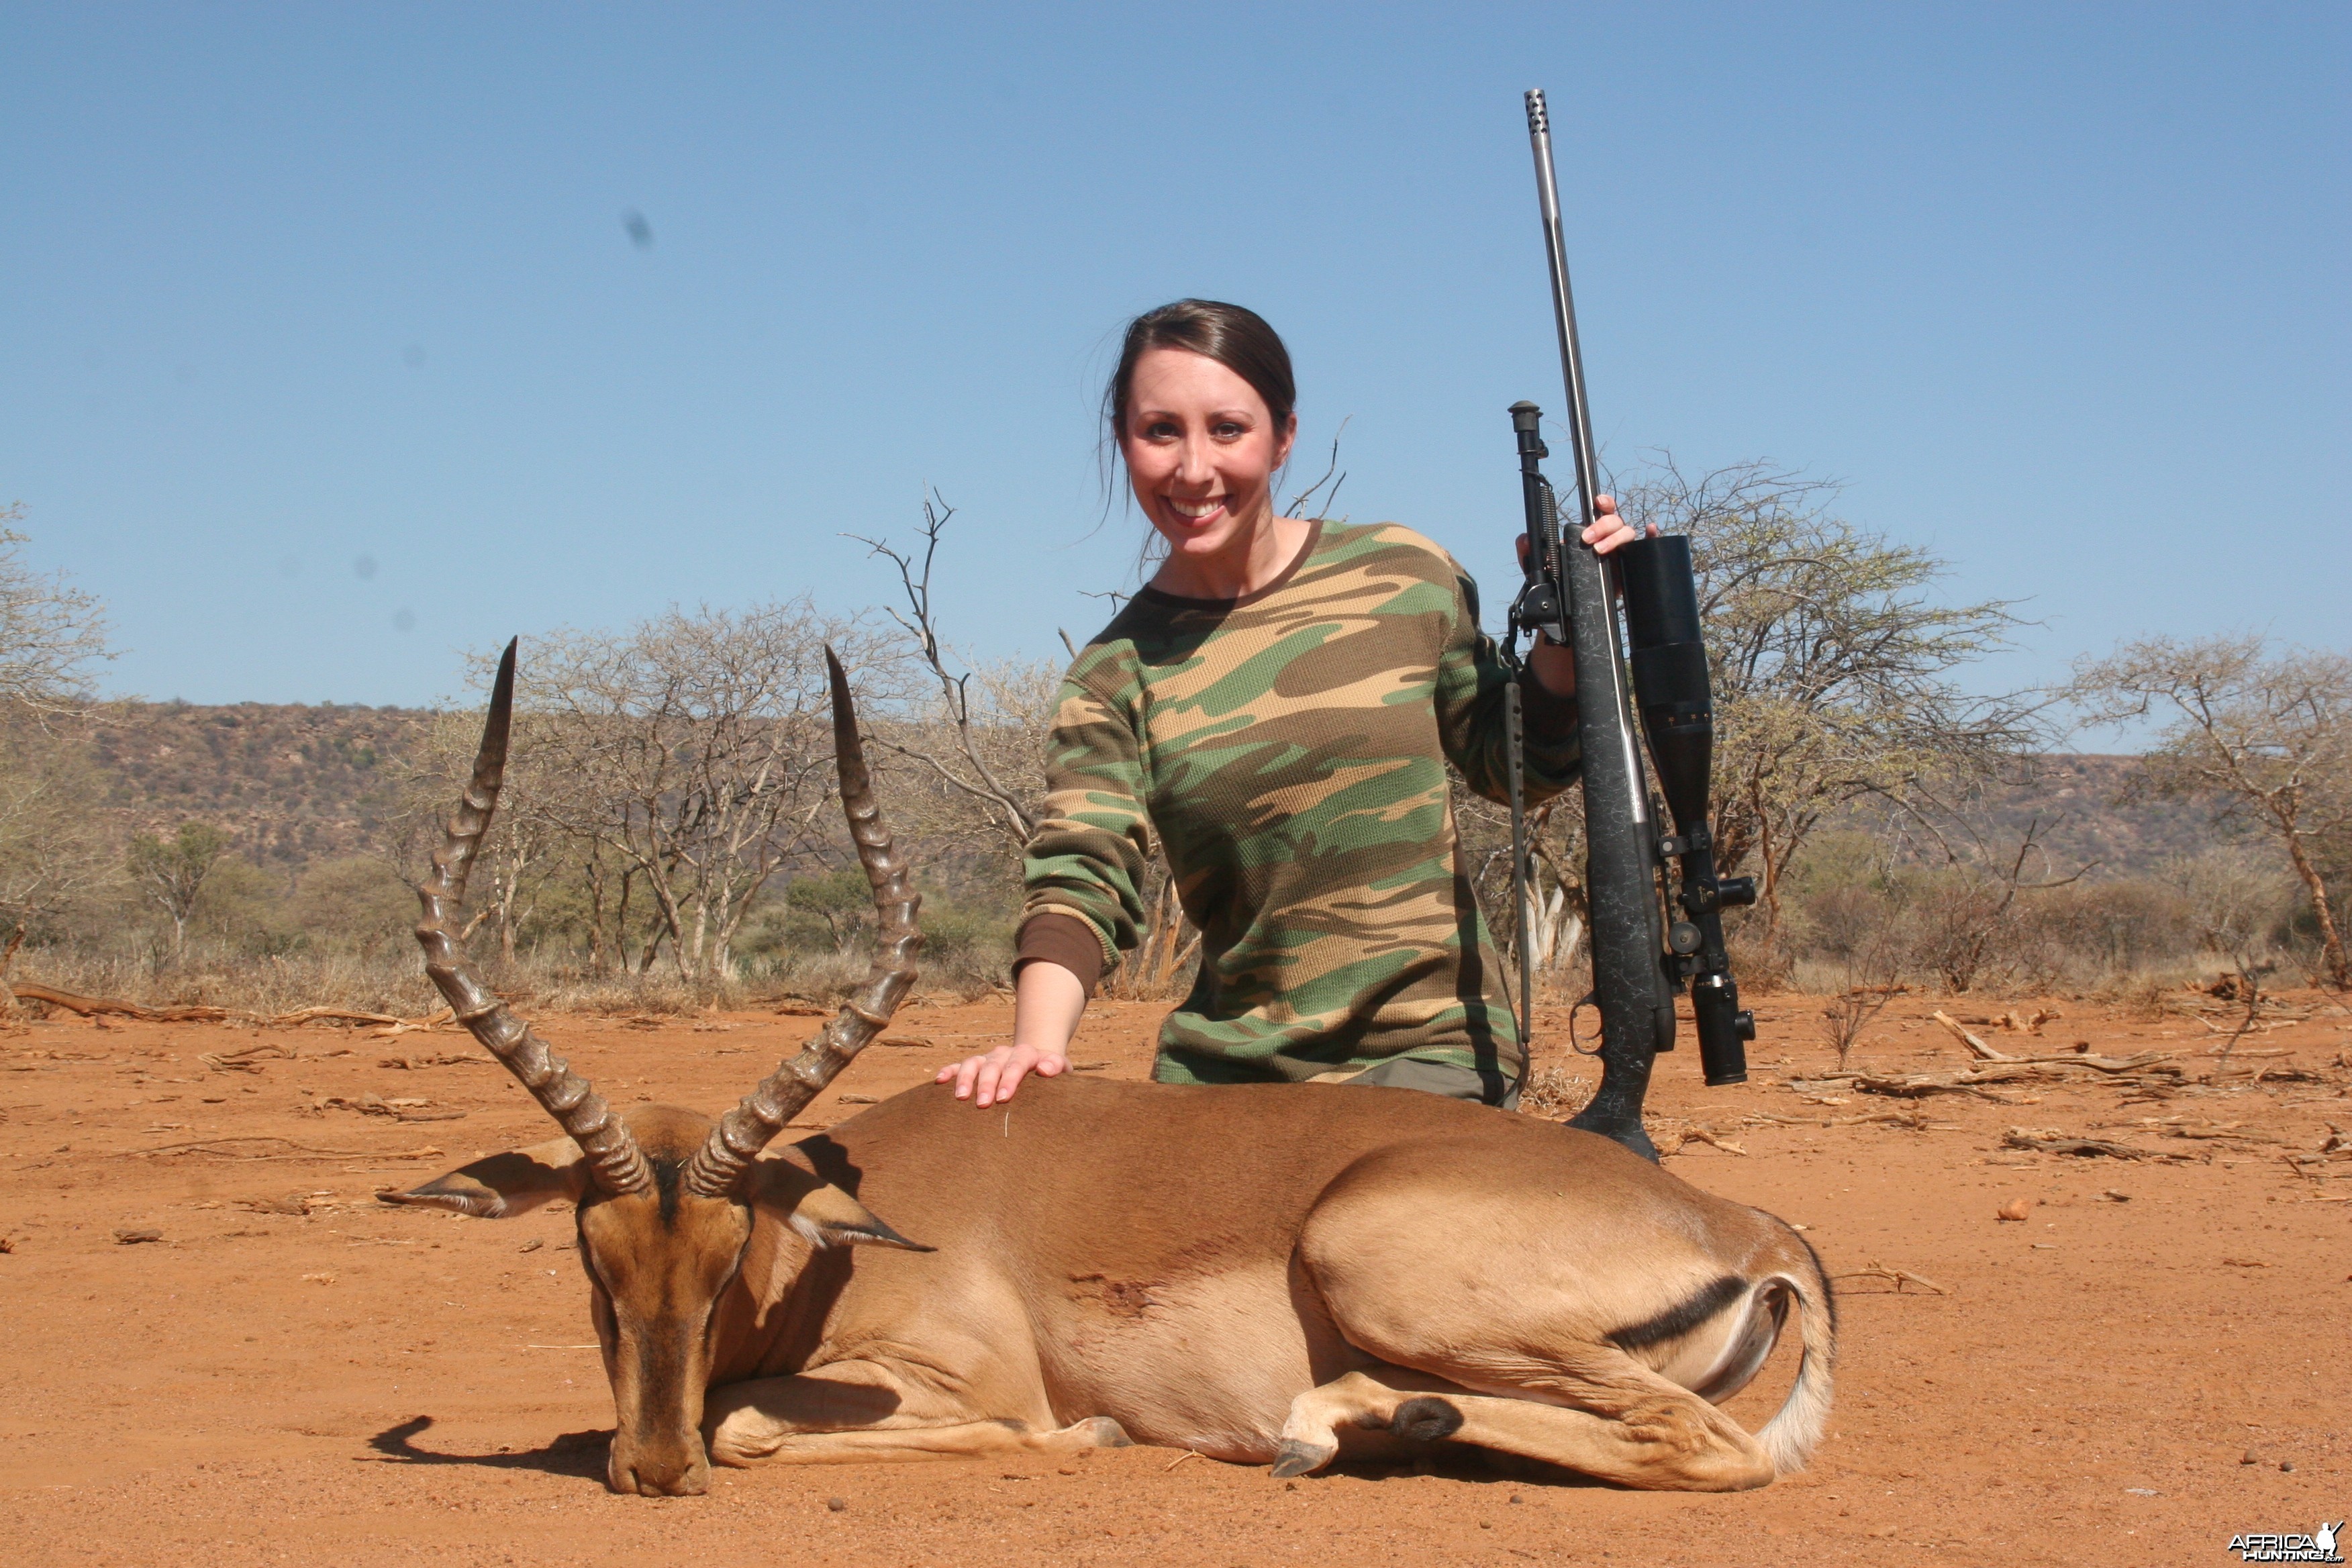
x,y
1201,452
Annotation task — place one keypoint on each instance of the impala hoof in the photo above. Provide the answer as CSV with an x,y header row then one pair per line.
x,y
1297,1458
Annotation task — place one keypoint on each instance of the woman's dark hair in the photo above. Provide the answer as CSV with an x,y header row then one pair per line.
x,y
1234,337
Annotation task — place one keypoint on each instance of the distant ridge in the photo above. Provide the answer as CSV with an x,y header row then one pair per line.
x,y
292,783
2077,797
295,784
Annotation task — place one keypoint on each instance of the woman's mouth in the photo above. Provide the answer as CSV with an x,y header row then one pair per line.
x,y
1196,510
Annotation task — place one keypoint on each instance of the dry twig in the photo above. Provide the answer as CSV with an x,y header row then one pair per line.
x,y
1895,1277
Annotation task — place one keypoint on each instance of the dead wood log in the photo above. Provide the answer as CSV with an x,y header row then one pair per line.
x,y
1983,1052
2044,1141
298,1151
397,1025
96,1006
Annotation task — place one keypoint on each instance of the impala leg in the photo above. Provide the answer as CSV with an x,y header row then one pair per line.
x,y
1663,1437
1310,1437
863,1410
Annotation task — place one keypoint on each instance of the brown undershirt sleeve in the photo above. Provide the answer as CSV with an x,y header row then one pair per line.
x,y
1546,711
1065,940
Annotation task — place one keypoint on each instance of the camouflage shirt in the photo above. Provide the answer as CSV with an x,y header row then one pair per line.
x,y
1288,750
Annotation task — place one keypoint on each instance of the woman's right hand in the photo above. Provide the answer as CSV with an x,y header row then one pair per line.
x,y
990,1079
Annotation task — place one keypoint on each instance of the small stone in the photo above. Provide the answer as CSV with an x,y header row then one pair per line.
x,y
533,1245
2288,1464
132,1237
837,1503
2249,1458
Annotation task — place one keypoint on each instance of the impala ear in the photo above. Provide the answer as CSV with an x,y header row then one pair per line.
x,y
828,1216
824,1214
504,1185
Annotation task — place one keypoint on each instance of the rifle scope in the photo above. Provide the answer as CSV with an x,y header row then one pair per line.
x,y
1677,706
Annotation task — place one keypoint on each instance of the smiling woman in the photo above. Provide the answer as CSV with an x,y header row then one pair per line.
x,y
1274,712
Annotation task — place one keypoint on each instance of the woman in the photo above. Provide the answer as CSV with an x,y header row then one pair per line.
x,y
1276,706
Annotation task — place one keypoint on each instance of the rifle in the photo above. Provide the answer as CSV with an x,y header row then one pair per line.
x,y
1641,952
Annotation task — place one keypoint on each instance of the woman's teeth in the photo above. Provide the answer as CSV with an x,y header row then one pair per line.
x,y
1195,510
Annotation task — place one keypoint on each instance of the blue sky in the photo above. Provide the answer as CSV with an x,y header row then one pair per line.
x,y
325,351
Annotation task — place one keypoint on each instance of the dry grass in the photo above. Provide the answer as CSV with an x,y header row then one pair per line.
x,y
1554,1092
395,982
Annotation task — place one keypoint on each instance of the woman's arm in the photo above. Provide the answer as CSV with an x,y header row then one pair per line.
x,y
1082,868
1047,1003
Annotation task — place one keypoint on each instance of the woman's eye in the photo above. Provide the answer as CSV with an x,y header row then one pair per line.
x,y
1230,430
1160,430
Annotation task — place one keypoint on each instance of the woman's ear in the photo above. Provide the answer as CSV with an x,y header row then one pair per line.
x,y
1289,440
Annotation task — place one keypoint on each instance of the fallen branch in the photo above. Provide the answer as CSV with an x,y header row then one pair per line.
x,y
301,1015
2049,1142
300,1151
242,1059
1670,1140
1983,1052
93,1006
1967,1080
372,1104
1911,1117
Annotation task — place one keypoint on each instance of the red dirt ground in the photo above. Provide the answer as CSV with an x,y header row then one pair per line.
x,y
2152,1361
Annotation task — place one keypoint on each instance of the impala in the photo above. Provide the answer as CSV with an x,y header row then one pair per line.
x,y
1265,1274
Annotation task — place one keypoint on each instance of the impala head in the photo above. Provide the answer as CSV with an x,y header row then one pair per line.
x,y
665,1198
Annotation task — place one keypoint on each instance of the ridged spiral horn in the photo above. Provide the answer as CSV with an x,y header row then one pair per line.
x,y
613,1154
744,1132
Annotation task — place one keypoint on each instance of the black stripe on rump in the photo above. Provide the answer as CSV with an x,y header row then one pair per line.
x,y
1675,1321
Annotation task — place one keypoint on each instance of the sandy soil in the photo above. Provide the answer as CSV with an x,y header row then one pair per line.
x,y
2153,1361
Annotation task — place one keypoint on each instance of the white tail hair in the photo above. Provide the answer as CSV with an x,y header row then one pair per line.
x,y
1790,1437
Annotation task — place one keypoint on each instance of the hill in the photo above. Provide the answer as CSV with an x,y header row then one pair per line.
x,y
2079,802
295,784
292,783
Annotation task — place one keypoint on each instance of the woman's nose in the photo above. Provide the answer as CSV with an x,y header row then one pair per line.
x,y
1192,465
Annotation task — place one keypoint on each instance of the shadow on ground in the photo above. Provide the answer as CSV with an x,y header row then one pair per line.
x,y
580,1453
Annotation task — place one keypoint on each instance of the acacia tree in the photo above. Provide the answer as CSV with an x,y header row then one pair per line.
x,y
1833,663
527,842
2264,734
50,633
695,753
171,873
54,850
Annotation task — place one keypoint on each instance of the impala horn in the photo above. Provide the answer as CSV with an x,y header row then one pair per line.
x,y
613,1154
744,1132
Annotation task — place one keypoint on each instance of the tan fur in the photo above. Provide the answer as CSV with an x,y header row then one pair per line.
x,y
1252,1271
